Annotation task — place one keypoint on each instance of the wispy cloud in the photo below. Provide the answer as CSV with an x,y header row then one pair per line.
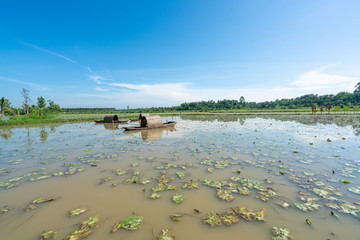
x,y
47,51
33,85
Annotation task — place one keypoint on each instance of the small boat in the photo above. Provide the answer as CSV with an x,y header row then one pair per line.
x,y
164,125
111,119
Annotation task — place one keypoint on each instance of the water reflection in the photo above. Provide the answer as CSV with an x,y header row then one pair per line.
x,y
152,134
43,134
5,133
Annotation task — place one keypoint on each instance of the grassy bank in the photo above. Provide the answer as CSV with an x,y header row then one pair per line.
x,y
70,118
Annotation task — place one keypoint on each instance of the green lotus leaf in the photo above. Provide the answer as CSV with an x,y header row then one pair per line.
x,y
166,234
212,219
178,198
132,223
78,211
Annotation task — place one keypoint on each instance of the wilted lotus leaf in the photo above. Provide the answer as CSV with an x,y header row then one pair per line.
x,y
245,213
235,179
49,235
78,211
191,185
284,204
171,187
154,195
120,172
212,219
38,200
229,219
105,179
355,189
176,217
132,223
91,221
281,233
247,182
133,179
87,227
259,216
212,183
207,162
243,190
159,187
321,192
166,235
39,178
144,181
225,195
181,175
178,198
221,164
210,170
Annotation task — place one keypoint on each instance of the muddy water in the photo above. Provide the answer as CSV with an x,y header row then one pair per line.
x,y
295,157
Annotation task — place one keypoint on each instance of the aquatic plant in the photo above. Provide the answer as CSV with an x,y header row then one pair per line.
x,y
212,219
166,234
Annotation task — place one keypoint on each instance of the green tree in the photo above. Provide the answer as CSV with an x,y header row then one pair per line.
x,y
3,104
41,104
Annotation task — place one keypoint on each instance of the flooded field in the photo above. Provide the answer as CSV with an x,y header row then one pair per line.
x,y
210,177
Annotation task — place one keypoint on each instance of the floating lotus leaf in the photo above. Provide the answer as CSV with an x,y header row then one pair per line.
x,y
245,213
281,233
49,235
120,172
3,210
212,183
212,219
181,175
210,170
355,189
105,179
176,217
229,219
144,181
78,211
138,174
166,235
133,180
38,200
225,195
259,216
132,223
190,185
178,198
91,221
250,183
154,195
349,209
39,178
159,187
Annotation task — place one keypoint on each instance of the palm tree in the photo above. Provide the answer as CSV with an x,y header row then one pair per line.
x,y
3,103
357,88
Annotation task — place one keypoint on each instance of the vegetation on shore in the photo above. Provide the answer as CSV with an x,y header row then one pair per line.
x,y
49,112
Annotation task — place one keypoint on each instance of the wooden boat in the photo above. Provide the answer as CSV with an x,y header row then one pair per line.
x,y
164,125
111,119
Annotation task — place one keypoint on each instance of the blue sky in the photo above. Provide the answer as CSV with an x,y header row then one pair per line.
x,y
162,53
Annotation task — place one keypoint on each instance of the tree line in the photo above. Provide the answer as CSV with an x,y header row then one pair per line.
x,y
40,108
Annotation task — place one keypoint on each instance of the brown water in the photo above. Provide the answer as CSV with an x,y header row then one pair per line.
x,y
297,154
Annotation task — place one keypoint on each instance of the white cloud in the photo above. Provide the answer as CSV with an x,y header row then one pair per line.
x,y
318,80
33,85
101,89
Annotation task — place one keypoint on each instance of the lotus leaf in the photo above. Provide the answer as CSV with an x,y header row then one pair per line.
x,y
244,213
210,170
212,183
355,189
91,222
281,233
243,190
259,216
77,211
178,198
176,217
120,172
133,180
154,195
247,182
225,195
190,185
212,219
81,233
181,175
3,210
39,178
159,187
144,181
132,223
166,235
49,235
229,219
